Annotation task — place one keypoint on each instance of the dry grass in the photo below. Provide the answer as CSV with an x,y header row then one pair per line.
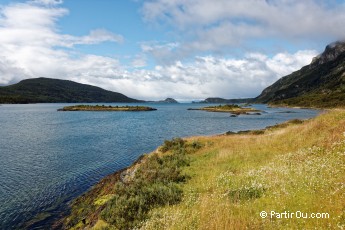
x,y
233,178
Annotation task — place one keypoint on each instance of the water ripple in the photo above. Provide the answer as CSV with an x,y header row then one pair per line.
x,y
49,157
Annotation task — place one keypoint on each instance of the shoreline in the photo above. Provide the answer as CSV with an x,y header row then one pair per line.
x,y
116,176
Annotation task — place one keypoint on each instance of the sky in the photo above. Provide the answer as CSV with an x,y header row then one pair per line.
x,y
154,49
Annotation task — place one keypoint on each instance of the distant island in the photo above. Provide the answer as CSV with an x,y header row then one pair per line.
x,y
47,90
169,100
218,100
233,109
105,108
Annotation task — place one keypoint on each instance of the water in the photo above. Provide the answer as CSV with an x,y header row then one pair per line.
x,y
48,158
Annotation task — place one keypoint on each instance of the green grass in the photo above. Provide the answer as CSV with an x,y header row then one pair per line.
x,y
105,108
297,167
154,182
224,182
230,108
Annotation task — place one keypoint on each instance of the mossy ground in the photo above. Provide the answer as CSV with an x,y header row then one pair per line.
x,y
105,108
232,108
232,178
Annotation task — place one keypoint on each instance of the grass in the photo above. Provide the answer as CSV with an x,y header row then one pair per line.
x,y
297,167
224,182
232,108
105,108
154,181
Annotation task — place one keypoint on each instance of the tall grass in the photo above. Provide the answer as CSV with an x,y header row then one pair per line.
x,y
225,182
300,167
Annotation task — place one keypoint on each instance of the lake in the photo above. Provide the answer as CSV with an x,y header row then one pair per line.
x,y
49,157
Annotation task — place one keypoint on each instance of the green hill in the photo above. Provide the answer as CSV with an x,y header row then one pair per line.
x,y
319,84
46,90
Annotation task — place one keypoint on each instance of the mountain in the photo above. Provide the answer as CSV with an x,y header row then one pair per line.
x,y
218,100
168,100
46,90
319,84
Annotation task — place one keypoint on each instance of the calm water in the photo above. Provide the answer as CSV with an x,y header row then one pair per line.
x,y
49,157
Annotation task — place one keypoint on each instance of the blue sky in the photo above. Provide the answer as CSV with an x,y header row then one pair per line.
x,y
186,49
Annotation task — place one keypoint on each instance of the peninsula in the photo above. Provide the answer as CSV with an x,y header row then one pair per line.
x,y
233,109
105,108
238,180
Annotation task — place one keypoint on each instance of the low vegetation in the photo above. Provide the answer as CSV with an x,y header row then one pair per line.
x,y
296,166
326,99
153,182
232,108
226,181
105,108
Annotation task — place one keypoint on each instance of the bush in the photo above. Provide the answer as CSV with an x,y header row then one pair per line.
x,y
174,144
155,184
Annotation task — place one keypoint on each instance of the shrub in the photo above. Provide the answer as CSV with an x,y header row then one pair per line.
x,y
174,144
155,184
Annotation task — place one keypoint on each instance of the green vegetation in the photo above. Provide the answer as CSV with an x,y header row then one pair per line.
x,y
105,108
218,100
151,183
45,90
298,166
268,128
330,99
233,109
225,181
320,84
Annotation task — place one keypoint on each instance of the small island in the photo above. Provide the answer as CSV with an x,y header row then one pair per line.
x,y
106,108
233,109
168,100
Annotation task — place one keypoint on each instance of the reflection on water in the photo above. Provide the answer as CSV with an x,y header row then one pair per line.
x,y
49,157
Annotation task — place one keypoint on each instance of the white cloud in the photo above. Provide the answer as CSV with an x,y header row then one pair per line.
x,y
215,26
207,76
139,61
29,40
47,2
30,46
163,53
98,36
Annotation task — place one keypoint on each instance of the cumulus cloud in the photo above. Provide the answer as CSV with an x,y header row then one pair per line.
x,y
32,46
217,25
163,53
206,76
29,42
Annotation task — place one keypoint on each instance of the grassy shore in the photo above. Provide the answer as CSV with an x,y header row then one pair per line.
x,y
226,181
105,108
233,109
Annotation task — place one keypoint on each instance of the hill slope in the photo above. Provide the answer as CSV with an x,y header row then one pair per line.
x,y
226,181
319,84
46,90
